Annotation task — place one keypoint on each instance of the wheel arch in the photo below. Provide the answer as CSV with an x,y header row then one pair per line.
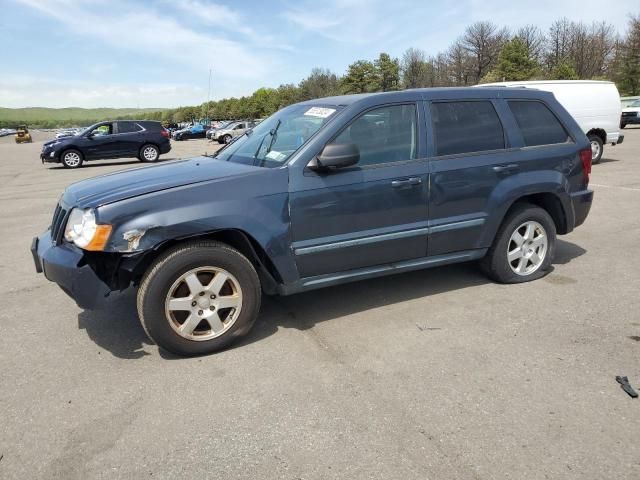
x,y
599,132
133,268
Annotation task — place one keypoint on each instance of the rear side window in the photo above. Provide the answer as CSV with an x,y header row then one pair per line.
x,y
383,135
538,124
466,127
128,127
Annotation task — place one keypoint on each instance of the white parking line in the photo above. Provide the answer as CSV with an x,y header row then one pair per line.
x,y
614,186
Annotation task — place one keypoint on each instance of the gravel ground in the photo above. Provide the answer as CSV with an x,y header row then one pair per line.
x,y
433,374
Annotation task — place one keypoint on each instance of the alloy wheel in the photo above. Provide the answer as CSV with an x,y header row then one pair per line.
x,y
527,248
203,303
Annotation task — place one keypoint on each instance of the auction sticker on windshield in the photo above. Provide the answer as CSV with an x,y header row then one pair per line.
x,y
320,112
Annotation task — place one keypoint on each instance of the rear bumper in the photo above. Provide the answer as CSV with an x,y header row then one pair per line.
x,y
65,266
165,147
581,202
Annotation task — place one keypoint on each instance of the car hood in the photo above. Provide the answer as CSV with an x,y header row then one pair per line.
x,y
60,140
631,109
125,184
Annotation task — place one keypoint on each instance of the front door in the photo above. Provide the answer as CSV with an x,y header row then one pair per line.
x,y
373,213
102,142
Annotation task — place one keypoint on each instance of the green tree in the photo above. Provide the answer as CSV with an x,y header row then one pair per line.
x,y
319,83
388,72
627,63
362,77
514,62
563,71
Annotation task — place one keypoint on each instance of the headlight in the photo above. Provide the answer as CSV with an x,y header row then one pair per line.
x,y
82,230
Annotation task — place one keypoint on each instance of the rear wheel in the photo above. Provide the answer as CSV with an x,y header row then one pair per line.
x,y
149,153
596,148
622,125
523,248
71,159
199,298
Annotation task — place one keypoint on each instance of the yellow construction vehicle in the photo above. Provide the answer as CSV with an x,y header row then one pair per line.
x,y
23,135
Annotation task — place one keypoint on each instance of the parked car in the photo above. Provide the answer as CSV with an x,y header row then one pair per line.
x,y
196,131
595,105
7,131
212,130
630,115
226,134
321,193
142,139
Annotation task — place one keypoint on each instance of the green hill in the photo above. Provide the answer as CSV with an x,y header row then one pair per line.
x,y
63,117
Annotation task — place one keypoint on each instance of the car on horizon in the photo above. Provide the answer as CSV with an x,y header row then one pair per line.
x,y
142,139
219,126
321,193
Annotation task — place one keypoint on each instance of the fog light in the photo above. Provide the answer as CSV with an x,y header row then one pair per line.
x,y
52,154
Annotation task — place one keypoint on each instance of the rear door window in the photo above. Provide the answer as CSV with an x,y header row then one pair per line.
x,y
128,127
466,127
538,124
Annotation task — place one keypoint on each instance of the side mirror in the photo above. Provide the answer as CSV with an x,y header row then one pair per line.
x,y
336,155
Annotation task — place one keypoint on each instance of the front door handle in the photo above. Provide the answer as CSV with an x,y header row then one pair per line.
x,y
511,168
406,182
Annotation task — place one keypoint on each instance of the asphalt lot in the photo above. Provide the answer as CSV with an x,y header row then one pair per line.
x,y
428,375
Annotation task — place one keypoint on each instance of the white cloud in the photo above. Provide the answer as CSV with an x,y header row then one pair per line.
x,y
57,93
136,27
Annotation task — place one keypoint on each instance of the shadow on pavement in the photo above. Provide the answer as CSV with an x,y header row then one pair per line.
x,y
116,327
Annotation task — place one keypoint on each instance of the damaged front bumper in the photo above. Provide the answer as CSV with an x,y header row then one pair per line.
x,y
65,265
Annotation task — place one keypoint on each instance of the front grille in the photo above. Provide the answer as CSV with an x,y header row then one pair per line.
x,y
629,114
57,224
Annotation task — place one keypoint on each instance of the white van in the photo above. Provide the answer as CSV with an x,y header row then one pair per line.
x,y
595,105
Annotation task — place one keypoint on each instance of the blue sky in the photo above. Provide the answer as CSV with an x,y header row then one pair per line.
x,y
129,53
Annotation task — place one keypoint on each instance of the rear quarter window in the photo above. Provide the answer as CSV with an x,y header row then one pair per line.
x,y
466,127
537,123
128,127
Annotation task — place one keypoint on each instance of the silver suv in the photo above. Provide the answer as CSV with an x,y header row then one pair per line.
x,y
226,134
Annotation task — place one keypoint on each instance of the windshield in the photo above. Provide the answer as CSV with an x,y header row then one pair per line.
x,y
635,104
274,140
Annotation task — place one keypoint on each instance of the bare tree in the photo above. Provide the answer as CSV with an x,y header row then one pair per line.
x,y
483,41
460,64
534,40
414,68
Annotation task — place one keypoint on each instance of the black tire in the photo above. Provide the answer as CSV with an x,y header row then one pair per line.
x,y
71,158
226,139
595,138
144,155
623,125
168,268
496,264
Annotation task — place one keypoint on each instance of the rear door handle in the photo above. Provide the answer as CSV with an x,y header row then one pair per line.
x,y
511,168
406,182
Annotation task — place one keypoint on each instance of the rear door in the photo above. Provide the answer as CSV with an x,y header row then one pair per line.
x,y
130,138
373,213
470,155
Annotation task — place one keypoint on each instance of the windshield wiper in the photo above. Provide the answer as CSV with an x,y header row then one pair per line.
x,y
272,133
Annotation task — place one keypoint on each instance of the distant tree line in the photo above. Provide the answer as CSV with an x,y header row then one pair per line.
x,y
484,53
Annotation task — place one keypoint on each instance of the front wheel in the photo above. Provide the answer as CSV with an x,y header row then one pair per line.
x,y
597,146
226,139
149,153
523,248
199,298
71,159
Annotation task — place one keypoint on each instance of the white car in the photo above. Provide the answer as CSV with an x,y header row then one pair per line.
x,y
595,105
630,114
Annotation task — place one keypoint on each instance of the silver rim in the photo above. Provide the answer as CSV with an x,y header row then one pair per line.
x,y
203,303
527,248
595,149
72,159
150,154
227,139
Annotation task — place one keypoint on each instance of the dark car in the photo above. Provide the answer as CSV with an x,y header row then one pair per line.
x,y
321,193
142,139
195,131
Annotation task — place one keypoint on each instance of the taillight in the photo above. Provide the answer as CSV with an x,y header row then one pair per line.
x,y
165,133
585,156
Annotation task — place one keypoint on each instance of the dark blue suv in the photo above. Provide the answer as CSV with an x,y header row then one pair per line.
x,y
142,139
324,192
